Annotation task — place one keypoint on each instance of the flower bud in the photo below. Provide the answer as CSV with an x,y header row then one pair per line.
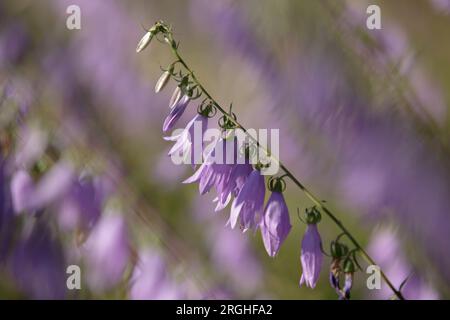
x,y
335,270
338,250
347,285
145,41
162,81
176,96
349,266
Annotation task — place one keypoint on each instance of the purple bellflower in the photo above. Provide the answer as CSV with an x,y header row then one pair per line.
x,y
311,255
107,252
275,224
185,141
176,113
215,172
247,207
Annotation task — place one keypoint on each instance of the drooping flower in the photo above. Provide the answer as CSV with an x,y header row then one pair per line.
x,y
215,171
176,112
311,256
107,252
347,286
185,141
38,263
81,207
349,270
338,251
248,205
335,271
275,224
232,186
150,279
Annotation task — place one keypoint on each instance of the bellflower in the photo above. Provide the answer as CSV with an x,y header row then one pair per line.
x,y
311,256
185,141
248,205
107,252
347,286
212,174
349,270
176,112
150,279
81,207
232,185
38,263
275,224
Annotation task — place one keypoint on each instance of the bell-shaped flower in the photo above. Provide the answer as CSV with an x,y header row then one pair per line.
x,y
231,187
348,283
185,141
275,224
248,205
216,169
175,113
311,256
151,279
81,207
107,252
38,263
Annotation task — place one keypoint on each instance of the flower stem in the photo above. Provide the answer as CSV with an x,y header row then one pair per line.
x,y
288,173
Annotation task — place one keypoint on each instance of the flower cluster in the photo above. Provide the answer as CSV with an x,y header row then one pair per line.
x,y
238,182
235,182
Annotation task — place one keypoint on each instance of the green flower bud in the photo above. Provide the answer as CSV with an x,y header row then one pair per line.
x,y
338,250
349,266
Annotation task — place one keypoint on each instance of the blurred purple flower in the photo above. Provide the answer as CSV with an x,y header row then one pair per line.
x,y
311,256
150,280
13,44
248,205
275,224
31,144
53,185
107,253
81,207
6,211
176,113
38,264
22,191
386,249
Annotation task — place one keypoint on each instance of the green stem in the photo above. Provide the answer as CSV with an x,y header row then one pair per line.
x,y
288,173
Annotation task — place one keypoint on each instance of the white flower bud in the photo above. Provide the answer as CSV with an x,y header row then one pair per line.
x,y
176,96
144,41
162,81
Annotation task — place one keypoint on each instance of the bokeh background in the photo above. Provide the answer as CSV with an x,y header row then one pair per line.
x,y
85,177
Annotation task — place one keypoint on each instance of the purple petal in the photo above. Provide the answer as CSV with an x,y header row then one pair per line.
x,y
175,114
275,225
